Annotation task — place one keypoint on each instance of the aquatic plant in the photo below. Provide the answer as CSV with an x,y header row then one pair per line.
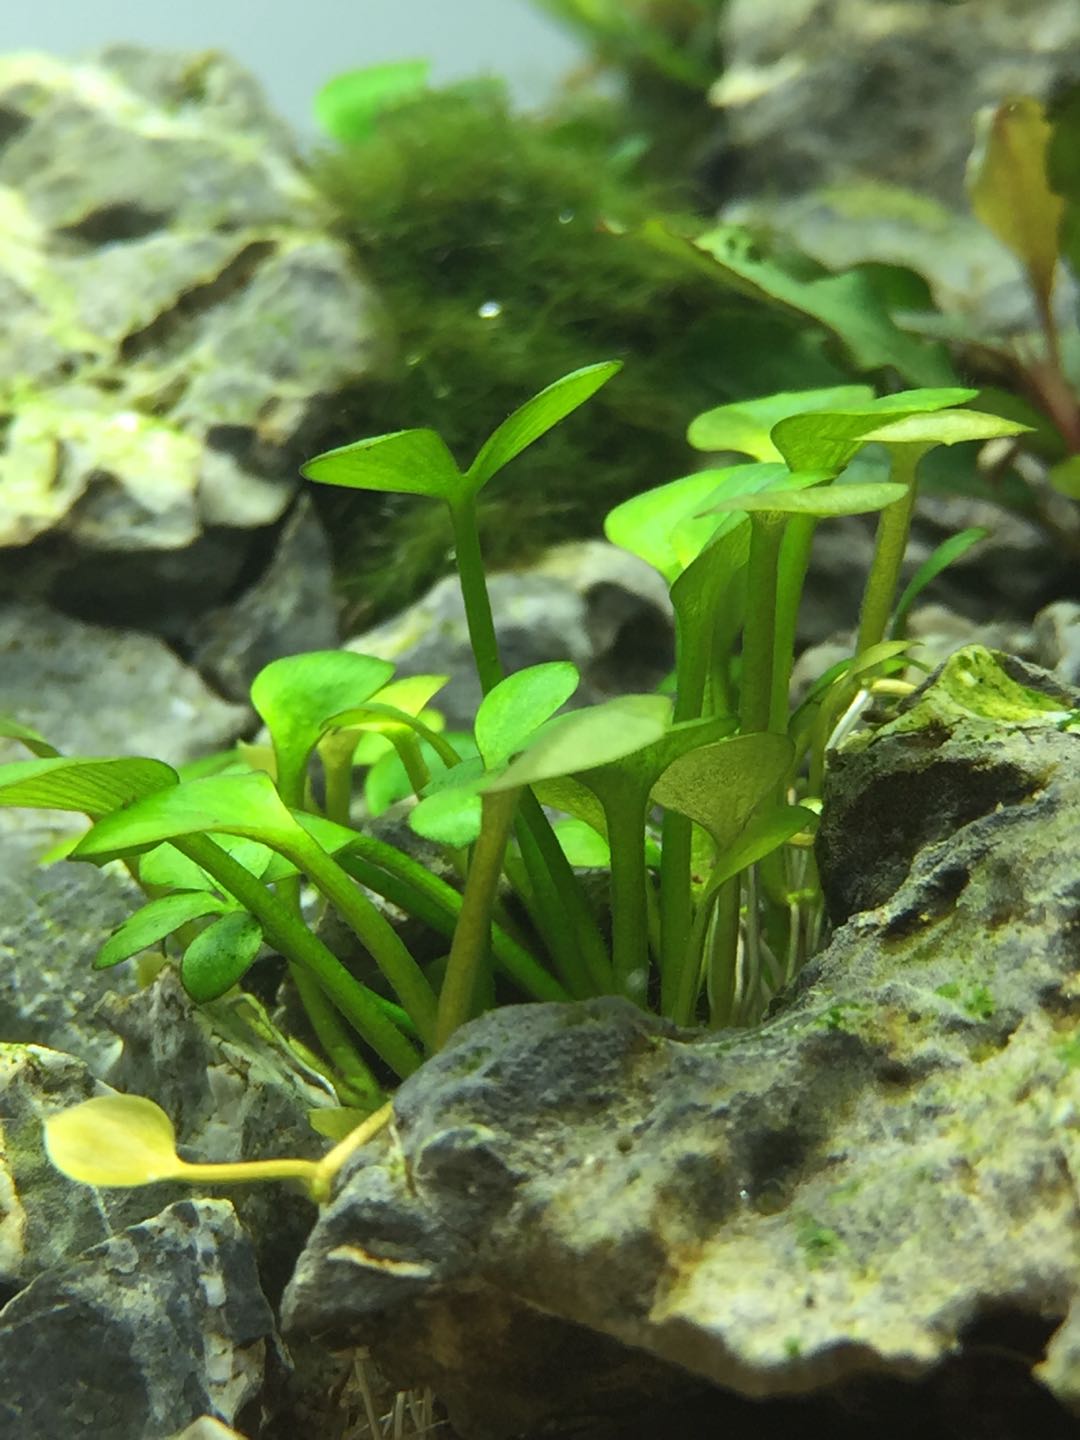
x,y
710,911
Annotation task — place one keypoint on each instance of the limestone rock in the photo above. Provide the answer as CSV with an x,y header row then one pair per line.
x,y
141,1335
178,320
850,1200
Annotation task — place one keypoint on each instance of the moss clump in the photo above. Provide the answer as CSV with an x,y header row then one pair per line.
x,y
505,249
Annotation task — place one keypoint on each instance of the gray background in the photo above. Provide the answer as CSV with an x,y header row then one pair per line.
x,y
295,45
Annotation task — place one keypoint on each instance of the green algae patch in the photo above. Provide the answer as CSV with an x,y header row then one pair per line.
x,y
973,684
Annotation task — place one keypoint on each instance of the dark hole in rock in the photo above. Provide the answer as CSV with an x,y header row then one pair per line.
x,y
112,223
934,901
12,123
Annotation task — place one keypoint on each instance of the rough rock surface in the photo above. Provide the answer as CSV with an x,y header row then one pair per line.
x,y
834,90
178,320
862,1198
141,1335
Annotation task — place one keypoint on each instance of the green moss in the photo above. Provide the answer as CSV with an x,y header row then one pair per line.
x,y
818,1242
976,1000
504,248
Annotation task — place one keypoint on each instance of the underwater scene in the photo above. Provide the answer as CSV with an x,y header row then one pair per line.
x,y
540,720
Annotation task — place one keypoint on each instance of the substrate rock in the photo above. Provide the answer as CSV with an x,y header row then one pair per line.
x,y
862,1192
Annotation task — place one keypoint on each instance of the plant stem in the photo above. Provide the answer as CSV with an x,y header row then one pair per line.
x,y
565,915
470,943
288,934
755,699
470,568
350,1071
624,809
722,964
894,524
794,560
388,951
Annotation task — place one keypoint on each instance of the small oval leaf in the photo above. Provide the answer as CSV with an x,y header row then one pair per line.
x,y
113,1140
519,705
218,958
152,922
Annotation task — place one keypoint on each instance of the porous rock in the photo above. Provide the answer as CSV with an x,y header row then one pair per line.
x,y
859,1199
178,320
141,1335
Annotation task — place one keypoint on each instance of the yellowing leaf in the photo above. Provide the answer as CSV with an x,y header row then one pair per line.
x,y
113,1140
1009,190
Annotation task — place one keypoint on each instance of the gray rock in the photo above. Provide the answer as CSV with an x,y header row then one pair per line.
x,y
178,322
45,1218
290,609
858,1193
832,90
1057,640
588,602
96,691
142,1335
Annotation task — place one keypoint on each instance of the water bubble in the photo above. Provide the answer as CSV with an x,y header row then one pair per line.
x,y
490,310
565,216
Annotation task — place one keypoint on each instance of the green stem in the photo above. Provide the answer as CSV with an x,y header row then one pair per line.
x,y
470,568
793,564
755,699
894,524
409,753
287,933
723,955
421,894
381,939
337,768
352,1078
470,944
624,809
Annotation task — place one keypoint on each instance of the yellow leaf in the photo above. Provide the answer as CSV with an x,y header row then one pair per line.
x,y
113,1140
1009,191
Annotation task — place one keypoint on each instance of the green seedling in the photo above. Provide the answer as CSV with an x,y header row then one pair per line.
x,y
700,805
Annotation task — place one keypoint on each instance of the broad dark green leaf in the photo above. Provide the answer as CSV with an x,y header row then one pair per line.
x,y
449,817
220,956
348,106
407,462
516,707
152,922
535,418
91,787
762,835
847,305
745,425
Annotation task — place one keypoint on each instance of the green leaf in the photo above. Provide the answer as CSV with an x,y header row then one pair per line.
x,y
588,738
718,786
847,305
298,696
562,792
938,560
348,106
92,787
113,1140
1065,477
449,817
246,805
407,462
762,835
829,439
152,922
824,501
517,706
535,418
581,844
745,425
165,865
35,742
405,697
1009,190
387,781
664,526
954,427
220,956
